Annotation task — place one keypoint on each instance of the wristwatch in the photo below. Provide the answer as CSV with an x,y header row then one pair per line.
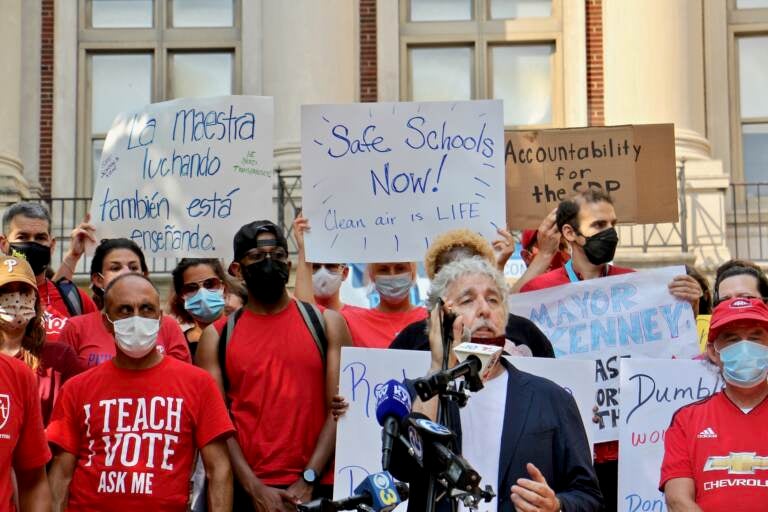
x,y
310,476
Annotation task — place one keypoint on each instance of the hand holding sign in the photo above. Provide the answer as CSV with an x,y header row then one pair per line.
x,y
381,180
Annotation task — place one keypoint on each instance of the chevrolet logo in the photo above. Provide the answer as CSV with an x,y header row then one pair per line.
x,y
740,463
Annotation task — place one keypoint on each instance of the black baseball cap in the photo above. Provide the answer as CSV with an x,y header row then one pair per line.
x,y
245,238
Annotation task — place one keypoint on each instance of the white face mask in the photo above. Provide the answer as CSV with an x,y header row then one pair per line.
x,y
326,283
17,308
136,336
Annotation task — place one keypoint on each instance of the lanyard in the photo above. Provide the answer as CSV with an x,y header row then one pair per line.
x,y
572,273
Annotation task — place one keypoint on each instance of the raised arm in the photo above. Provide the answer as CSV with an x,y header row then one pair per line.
x,y
303,287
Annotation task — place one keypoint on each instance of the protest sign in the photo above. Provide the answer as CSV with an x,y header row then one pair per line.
x,y
612,317
634,164
651,391
358,437
179,178
381,180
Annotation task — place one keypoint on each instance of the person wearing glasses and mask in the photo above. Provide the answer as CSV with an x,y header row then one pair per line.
x,y
199,296
125,433
88,335
277,363
716,449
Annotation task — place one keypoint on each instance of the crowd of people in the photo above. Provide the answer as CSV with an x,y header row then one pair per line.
x,y
225,395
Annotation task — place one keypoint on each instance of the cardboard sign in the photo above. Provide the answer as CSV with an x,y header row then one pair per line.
x,y
651,391
358,437
381,180
605,319
634,164
179,178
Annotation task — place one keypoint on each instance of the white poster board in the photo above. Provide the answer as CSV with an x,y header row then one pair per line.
x,y
180,177
612,317
358,437
651,391
381,180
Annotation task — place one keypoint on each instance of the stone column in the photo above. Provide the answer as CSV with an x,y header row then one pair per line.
x,y
654,73
13,186
309,56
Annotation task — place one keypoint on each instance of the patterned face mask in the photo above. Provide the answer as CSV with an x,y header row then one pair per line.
x,y
17,308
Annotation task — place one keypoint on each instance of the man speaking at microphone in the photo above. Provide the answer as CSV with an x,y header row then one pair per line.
x,y
522,433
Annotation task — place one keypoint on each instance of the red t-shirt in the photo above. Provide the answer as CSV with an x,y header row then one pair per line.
x,y
56,313
603,451
276,393
90,338
724,451
372,328
560,276
22,439
59,362
134,434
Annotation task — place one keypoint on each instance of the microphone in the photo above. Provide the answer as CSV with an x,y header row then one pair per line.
x,y
488,355
393,403
378,493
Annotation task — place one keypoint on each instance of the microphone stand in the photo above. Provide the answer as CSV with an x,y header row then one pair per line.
x,y
443,418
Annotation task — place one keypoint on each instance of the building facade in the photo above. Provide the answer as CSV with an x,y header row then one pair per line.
x,y
70,66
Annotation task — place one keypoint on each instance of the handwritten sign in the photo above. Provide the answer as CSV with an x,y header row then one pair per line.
x,y
634,164
181,177
651,391
358,437
382,180
609,318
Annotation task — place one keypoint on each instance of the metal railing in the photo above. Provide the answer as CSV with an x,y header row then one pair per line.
x,y
747,220
68,212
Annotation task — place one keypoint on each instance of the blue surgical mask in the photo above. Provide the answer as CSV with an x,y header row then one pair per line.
x,y
394,288
206,305
745,363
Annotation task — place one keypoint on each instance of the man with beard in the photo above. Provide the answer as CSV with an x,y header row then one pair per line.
x,y
277,364
522,433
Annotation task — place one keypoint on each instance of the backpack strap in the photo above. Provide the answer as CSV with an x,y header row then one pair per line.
x,y
71,296
224,337
315,322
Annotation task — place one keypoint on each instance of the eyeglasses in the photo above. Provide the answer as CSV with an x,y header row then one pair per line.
x,y
256,256
212,283
334,268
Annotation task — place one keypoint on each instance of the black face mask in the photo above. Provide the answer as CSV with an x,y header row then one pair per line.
x,y
601,247
266,280
37,255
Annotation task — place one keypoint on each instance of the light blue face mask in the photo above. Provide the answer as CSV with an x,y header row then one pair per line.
x,y
745,363
206,305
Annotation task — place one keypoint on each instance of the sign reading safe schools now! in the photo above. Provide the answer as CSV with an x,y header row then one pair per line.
x,y
381,180
180,177
634,164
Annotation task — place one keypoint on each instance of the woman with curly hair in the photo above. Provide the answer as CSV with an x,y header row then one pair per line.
x,y
22,333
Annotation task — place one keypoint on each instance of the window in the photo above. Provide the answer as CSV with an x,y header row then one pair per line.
x,y
135,52
749,77
504,49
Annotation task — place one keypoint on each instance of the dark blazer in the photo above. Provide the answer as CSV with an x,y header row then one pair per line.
x,y
542,425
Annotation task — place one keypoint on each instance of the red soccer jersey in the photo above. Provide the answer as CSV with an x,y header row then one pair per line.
x,y
22,440
560,276
134,434
724,451
94,344
276,392
56,313
372,328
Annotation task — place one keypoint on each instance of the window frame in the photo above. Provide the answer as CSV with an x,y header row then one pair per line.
x,y
160,41
483,32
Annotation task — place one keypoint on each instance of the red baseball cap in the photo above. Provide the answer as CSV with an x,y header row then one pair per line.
x,y
528,238
735,310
